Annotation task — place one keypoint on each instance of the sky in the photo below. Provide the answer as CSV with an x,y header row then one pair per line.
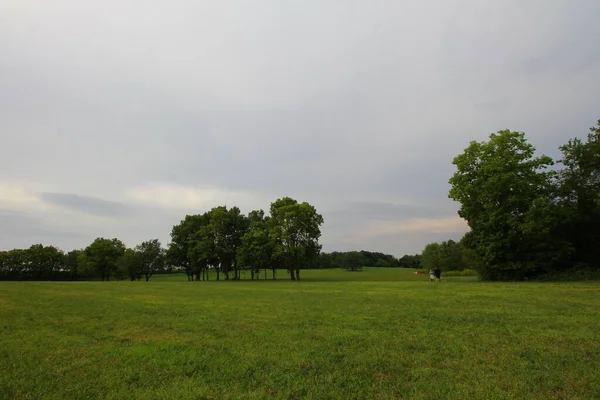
x,y
118,118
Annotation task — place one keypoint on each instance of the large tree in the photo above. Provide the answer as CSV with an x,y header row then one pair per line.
x,y
228,226
101,257
579,195
496,183
295,231
255,252
43,261
183,239
448,256
152,257
203,253
129,265
71,263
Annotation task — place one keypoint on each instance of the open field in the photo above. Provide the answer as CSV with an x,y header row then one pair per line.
x,y
374,334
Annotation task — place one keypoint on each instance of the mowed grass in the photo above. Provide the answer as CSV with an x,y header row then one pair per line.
x,y
349,335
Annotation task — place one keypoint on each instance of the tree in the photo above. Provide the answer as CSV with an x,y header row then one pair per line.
x,y
353,261
295,231
202,252
71,263
255,252
431,256
579,193
130,264
43,261
183,238
448,256
101,257
496,183
152,257
228,228
408,261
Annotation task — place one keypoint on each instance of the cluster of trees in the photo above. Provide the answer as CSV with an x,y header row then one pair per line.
x,y
226,241
449,256
103,259
530,216
222,240
355,260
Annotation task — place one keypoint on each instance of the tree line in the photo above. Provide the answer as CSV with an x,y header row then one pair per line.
x,y
529,216
448,256
356,260
221,243
103,259
222,240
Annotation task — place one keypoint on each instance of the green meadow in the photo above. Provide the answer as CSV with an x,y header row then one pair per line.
x,y
375,334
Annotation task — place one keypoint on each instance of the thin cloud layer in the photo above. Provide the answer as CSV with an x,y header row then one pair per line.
x,y
116,119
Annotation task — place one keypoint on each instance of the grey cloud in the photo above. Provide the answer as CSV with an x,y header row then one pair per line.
x,y
89,205
20,230
392,212
353,106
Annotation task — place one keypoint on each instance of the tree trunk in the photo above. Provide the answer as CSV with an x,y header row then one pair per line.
x,y
218,274
274,273
292,275
252,274
297,274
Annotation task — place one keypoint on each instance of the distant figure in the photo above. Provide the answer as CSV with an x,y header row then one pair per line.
x,y
420,272
431,276
438,274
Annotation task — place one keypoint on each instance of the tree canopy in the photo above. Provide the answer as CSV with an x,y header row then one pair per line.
x,y
526,218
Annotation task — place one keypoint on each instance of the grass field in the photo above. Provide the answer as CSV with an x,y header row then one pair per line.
x,y
381,333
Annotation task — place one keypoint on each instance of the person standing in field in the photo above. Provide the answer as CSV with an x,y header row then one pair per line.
x,y
438,274
431,275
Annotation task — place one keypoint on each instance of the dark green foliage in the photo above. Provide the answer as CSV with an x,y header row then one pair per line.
x,y
129,265
526,220
101,258
228,242
38,262
579,194
409,261
151,258
294,230
448,256
353,261
256,252
348,260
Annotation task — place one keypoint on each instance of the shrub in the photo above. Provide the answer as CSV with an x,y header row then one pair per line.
x,y
465,272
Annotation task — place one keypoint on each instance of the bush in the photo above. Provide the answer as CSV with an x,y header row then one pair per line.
x,y
464,272
573,274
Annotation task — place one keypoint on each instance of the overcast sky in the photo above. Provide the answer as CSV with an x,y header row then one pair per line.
x,y
117,118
